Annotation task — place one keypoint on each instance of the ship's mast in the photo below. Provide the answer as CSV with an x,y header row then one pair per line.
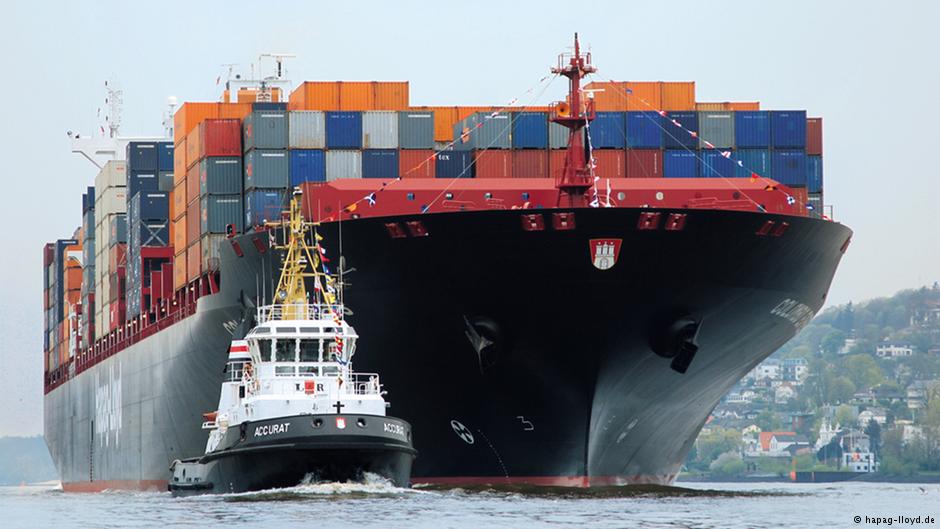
x,y
577,176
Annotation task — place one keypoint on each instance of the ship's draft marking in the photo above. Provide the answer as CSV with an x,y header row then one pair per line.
x,y
526,425
462,432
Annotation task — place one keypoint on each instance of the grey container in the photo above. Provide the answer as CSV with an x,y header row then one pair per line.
x,y
165,181
416,130
492,134
265,130
380,130
218,211
268,169
307,130
557,136
220,175
343,164
716,128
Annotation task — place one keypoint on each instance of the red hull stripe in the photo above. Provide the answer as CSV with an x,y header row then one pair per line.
x,y
156,485
549,481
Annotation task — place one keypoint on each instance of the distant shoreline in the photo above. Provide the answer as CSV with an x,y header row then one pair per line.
x,y
862,477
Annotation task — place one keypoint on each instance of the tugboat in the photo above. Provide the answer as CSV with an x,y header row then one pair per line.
x,y
291,408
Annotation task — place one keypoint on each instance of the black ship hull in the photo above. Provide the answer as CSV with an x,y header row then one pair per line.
x,y
288,451
517,360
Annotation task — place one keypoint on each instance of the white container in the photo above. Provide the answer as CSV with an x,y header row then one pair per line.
x,y
307,130
113,174
343,164
379,130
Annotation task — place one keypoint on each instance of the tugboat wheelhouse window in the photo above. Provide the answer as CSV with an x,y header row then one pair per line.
x,y
264,347
285,350
309,350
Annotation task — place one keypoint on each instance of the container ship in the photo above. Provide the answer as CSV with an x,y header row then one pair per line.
x,y
558,295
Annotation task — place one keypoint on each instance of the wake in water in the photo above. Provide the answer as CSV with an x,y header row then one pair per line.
x,y
371,486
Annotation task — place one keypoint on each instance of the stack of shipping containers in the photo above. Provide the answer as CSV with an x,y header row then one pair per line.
x,y
231,165
87,324
148,230
266,162
110,236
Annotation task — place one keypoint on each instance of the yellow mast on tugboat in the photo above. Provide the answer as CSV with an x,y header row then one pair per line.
x,y
302,260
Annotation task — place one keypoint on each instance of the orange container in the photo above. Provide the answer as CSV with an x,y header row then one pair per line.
x,y
192,184
189,115
73,278
178,205
390,95
608,96
416,164
711,107
179,235
315,95
193,146
744,105
194,261
247,95
179,271
644,95
678,96
192,224
233,111
444,119
179,163
356,95
493,163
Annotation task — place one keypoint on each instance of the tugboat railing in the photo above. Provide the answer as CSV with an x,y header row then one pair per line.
x,y
315,311
365,384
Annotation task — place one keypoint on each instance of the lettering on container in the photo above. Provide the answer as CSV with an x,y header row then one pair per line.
x,y
797,313
108,407
271,429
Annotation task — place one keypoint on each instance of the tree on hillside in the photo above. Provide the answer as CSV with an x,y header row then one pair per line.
x,y
831,451
846,416
841,390
873,430
717,441
832,342
863,371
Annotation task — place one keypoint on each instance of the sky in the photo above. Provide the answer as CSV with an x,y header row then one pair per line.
x,y
869,69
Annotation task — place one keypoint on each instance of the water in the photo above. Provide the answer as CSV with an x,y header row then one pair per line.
x,y
375,504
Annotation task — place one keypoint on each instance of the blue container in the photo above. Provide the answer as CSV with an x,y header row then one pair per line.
x,y
644,130
151,206
752,129
380,163
264,204
789,167
608,131
143,156
268,106
677,138
788,129
344,130
681,164
714,165
148,234
165,156
530,130
814,174
307,165
140,180
453,164
88,200
753,161
267,169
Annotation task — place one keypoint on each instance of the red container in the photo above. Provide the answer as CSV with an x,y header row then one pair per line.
x,y
192,184
220,137
118,313
530,164
814,136
643,163
493,164
416,164
609,163
556,162
192,223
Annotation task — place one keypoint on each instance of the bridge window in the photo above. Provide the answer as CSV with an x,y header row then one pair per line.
x,y
261,330
309,350
286,330
284,350
264,347
309,329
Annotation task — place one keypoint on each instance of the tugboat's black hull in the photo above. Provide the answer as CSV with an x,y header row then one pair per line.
x,y
288,451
